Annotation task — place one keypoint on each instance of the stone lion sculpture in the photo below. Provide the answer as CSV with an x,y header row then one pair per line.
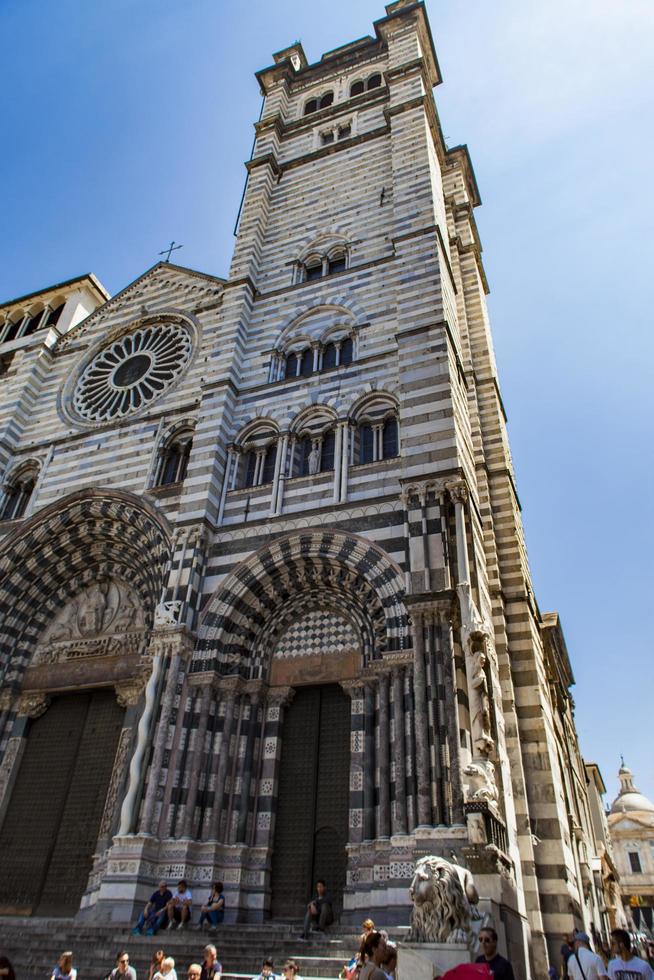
x,y
443,896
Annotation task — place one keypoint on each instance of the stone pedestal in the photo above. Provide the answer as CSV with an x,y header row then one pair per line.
x,y
424,961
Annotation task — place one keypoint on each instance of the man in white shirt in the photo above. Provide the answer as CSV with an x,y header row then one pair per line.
x,y
624,965
179,907
583,964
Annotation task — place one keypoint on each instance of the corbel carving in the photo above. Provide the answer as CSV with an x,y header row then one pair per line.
x,y
34,704
128,693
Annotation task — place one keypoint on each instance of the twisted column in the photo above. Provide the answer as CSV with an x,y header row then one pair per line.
x,y
369,763
246,780
159,740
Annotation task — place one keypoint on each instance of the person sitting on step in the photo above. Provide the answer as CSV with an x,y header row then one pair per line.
x,y
64,970
211,968
214,911
319,914
155,963
167,971
122,970
267,971
178,908
153,915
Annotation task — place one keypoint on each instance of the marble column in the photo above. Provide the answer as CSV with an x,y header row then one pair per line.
x,y
222,759
345,456
399,824
384,824
369,762
246,778
423,788
354,690
159,741
194,761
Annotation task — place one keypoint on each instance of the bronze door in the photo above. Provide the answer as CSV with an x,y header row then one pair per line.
x,y
49,833
311,825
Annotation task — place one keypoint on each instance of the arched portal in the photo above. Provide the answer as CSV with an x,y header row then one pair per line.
x,y
299,627
79,584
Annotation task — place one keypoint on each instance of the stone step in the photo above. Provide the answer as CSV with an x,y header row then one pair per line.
x,y
34,945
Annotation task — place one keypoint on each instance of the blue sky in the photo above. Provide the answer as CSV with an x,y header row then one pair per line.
x,y
127,123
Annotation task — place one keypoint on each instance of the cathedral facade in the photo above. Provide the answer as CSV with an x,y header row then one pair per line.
x,y
266,612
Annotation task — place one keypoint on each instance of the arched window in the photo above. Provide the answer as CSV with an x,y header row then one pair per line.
x,y
301,457
318,103
173,459
329,357
52,318
337,263
347,349
313,270
389,439
290,366
357,88
12,331
366,443
311,106
268,468
258,453
18,493
306,364
327,452
326,100
33,323
374,81
250,468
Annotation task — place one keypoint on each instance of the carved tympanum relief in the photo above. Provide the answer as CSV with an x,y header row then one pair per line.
x,y
103,619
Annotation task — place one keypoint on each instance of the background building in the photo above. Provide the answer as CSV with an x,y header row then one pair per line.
x,y
631,824
266,606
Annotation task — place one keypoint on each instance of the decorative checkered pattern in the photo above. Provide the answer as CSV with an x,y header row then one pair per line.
x,y
261,592
321,632
90,535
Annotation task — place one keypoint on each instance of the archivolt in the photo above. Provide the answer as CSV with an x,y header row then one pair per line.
x,y
91,534
347,568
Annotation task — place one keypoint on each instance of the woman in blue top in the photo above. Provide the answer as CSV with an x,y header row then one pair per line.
x,y
214,911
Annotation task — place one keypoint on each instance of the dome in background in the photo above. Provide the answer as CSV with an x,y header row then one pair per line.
x,y
629,799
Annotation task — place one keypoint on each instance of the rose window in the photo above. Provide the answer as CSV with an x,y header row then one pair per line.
x,y
132,371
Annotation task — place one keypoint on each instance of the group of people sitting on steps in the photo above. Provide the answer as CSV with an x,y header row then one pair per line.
x,y
174,909
162,967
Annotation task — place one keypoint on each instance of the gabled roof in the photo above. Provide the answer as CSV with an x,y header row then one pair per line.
x,y
88,279
119,296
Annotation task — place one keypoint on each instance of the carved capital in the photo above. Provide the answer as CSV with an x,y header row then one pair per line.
x,y
34,704
6,699
458,492
129,692
353,689
280,696
168,640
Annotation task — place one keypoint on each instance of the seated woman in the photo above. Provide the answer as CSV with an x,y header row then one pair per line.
x,y
214,911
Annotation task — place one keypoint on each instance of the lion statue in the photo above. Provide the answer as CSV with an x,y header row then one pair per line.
x,y
443,896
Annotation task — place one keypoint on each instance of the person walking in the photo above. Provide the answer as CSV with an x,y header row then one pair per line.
x,y
625,965
64,970
583,964
498,965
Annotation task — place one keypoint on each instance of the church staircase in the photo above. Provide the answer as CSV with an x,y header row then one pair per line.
x,y
34,944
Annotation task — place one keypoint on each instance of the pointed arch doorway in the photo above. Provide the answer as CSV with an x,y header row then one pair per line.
x,y
311,825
